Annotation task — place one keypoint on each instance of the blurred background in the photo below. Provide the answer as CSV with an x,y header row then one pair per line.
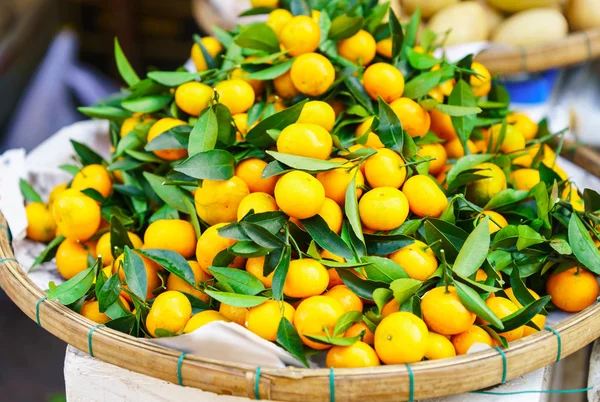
x,y
56,55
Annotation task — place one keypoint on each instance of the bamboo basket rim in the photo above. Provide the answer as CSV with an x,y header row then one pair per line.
x,y
293,384
575,48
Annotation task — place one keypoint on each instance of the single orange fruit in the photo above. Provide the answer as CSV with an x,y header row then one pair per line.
x,y
336,181
95,177
527,127
503,307
401,338
233,314
525,179
257,202
264,319
314,316
312,74
171,311
91,310
417,259
384,48
319,113
40,222
444,313
361,328
201,319
299,194
383,208
72,257
455,150
236,94
359,49
481,191
482,82
439,347
415,120
572,290
424,196
385,169
306,277
171,234
300,35
277,20
212,46
513,139
217,201
193,97
441,125
332,215
373,140
210,244
77,216
539,320
462,342
103,247
438,155
250,171
334,277
255,266
496,221
284,87
359,354
383,80
303,139
347,298
160,127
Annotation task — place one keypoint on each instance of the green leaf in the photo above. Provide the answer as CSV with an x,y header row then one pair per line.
x,y
582,244
390,129
122,324
506,197
376,16
261,235
86,154
542,202
475,304
258,135
281,271
383,269
240,281
300,7
164,212
344,26
119,238
524,315
73,289
288,338
311,165
404,288
423,83
381,296
236,300
408,228
135,273
520,292
351,209
329,340
171,195
591,200
363,288
147,104
258,37
318,229
216,164
462,95
386,244
109,292
70,169
127,72
465,163
358,92
173,78
452,237
256,11
28,192
248,249
104,112
197,304
271,72
421,61
412,29
453,110
48,253
172,262
474,251
204,134
528,237
346,321
561,245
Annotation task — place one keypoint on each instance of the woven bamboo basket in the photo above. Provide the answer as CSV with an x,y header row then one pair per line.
x,y
385,383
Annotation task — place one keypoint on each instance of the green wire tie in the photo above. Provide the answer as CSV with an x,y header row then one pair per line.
x,y
411,383
504,363
179,362
558,342
256,384
90,348
8,259
37,310
331,385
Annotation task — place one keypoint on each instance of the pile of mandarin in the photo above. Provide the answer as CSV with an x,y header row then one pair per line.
x,y
327,183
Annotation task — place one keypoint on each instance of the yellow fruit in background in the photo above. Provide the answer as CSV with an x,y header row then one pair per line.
x,y
401,338
300,35
171,311
193,97
250,171
103,247
462,342
77,216
312,74
460,23
385,169
72,257
436,152
176,283
427,7
171,234
264,319
319,113
233,314
383,208
306,277
56,191
513,139
284,87
424,196
255,266
583,14
160,127
299,194
502,307
441,125
332,215
525,179
532,27
336,181
201,319
527,127
439,347
314,316
496,221
241,74
481,191
383,80
347,298
357,355
454,148
277,20
417,259
210,244
240,121
413,117
217,201
512,6
384,48
236,94
257,202
359,49
95,177
480,83
40,222
303,139
373,140
444,313
212,46
130,123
